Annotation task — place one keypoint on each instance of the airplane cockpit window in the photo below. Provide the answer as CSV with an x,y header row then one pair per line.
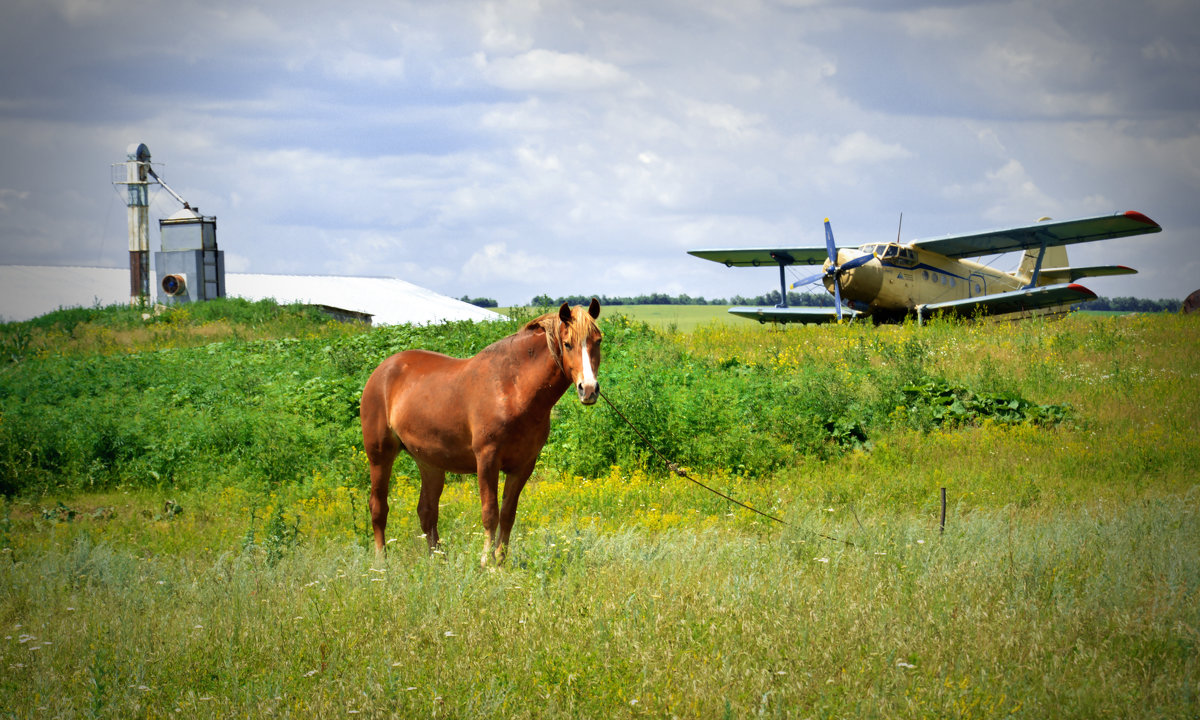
x,y
899,256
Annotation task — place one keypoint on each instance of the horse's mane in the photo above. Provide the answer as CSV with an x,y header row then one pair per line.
x,y
550,323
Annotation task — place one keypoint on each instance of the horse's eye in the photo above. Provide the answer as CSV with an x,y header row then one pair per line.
x,y
567,345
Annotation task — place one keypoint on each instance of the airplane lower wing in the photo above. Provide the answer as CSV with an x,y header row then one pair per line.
x,y
804,315
1070,274
1015,301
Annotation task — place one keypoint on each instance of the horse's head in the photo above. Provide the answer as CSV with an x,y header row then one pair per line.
x,y
579,341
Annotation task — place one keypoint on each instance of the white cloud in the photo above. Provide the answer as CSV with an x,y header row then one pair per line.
x,y
502,26
358,67
859,148
236,262
725,117
496,261
7,195
549,71
1010,195
1161,49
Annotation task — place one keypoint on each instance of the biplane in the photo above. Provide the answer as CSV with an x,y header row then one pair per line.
x,y
892,280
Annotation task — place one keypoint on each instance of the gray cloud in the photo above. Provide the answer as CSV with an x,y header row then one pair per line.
x,y
512,148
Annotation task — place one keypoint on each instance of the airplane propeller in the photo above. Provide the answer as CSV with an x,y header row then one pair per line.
x,y
833,269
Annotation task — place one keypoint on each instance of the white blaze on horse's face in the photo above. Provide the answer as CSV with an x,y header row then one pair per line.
x,y
586,385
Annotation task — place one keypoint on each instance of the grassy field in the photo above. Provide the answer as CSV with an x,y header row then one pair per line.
x,y
685,318
161,580
680,318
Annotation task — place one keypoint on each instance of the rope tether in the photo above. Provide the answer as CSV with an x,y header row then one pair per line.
x,y
683,474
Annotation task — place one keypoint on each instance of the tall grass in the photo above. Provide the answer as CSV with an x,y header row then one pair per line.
x,y
1086,613
185,530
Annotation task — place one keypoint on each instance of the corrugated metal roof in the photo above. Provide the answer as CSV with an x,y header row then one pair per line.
x,y
27,291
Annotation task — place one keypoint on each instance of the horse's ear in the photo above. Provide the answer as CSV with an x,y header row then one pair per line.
x,y
594,308
564,314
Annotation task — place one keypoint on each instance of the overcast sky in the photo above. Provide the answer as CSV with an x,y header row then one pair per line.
x,y
509,149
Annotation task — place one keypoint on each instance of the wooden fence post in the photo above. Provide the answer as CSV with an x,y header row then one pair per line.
x,y
943,526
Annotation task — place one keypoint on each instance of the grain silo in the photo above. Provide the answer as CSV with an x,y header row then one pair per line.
x,y
189,267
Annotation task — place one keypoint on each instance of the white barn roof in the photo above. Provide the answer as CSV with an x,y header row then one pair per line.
x,y
27,291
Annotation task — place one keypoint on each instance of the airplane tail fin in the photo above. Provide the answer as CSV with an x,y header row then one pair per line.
x,y
1056,257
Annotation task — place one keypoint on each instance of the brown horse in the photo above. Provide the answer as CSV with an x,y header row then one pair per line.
x,y
482,415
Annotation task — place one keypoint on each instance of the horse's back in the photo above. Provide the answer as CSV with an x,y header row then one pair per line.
x,y
422,372
416,396
416,362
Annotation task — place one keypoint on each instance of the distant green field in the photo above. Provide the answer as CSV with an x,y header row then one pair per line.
x,y
682,317
685,318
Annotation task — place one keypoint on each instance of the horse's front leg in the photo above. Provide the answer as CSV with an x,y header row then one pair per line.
x,y
488,469
513,483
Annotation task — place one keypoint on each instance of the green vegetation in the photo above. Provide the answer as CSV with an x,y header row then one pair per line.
x,y
185,526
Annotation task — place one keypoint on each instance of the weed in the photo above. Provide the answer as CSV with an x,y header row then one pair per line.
x,y
278,535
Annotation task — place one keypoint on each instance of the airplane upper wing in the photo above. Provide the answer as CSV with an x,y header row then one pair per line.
x,y
764,257
1015,301
807,315
1101,227
1071,274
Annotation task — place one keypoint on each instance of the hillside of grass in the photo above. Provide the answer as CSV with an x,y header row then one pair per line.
x,y
262,398
183,526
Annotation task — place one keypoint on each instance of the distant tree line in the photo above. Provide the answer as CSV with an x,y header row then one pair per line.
x,y
770,299
482,302
1132,304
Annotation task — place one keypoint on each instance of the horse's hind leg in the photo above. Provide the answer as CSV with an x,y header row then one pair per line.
x,y
381,446
381,474
432,482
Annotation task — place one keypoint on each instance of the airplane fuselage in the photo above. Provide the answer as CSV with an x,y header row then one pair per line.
x,y
901,278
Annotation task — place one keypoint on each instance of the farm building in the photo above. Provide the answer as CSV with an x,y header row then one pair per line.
x,y
27,291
